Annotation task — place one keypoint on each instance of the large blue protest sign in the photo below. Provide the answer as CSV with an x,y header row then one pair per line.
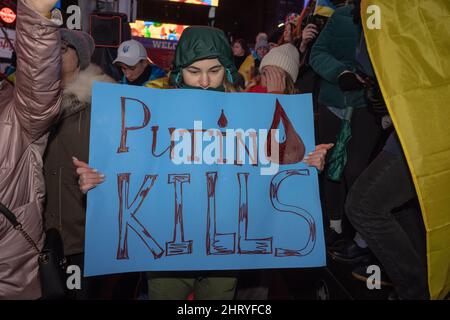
x,y
201,180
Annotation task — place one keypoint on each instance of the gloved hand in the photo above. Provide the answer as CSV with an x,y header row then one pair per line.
x,y
374,97
349,81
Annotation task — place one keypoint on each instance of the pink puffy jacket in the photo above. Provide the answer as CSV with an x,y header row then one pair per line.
x,y
26,113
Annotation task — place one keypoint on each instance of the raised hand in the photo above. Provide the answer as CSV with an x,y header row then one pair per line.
x,y
308,34
274,79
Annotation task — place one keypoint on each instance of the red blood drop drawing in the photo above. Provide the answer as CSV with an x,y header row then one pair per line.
x,y
291,150
223,121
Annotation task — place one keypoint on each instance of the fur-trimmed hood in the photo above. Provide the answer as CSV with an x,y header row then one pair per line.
x,y
78,94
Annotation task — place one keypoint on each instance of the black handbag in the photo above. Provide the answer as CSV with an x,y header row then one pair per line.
x,y
51,260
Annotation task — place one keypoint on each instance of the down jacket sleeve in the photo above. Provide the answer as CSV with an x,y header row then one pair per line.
x,y
38,94
322,59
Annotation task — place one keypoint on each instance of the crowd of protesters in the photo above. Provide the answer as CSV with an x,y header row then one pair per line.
x,y
369,210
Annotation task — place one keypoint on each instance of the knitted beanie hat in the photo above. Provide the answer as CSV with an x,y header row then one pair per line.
x,y
82,42
261,44
286,57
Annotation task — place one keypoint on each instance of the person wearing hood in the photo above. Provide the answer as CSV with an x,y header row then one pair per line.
x,y
203,60
65,207
26,113
137,68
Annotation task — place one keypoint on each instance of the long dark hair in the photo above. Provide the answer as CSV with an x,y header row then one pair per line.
x,y
244,46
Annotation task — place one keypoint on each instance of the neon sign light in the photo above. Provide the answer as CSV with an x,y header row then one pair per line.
x,y
7,15
156,30
214,3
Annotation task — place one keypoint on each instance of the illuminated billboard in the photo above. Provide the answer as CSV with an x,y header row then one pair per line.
x,y
156,30
214,3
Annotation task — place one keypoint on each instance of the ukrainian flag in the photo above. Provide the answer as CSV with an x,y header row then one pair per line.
x,y
410,53
324,8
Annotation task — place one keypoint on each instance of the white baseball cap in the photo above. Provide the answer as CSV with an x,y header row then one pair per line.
x,y
131,52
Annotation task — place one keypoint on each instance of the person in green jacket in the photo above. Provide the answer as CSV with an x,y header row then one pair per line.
x,y
203,60
332,56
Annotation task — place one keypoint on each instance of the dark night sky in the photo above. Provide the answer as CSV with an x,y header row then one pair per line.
x,y
238,18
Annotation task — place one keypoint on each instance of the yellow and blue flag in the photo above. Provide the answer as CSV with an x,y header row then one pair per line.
x,y
324,8
410,52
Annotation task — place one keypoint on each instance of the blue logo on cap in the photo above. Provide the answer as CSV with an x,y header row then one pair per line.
x,y
126,48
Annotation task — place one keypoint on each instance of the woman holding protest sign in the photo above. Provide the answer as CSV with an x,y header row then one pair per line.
x,y
203,60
